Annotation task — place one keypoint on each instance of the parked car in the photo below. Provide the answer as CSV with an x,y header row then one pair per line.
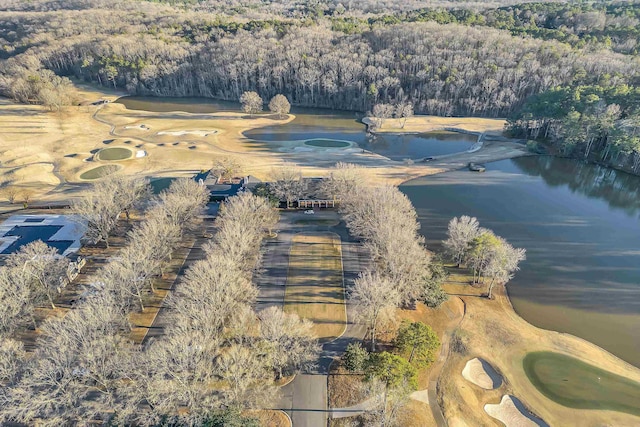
x,y
309,212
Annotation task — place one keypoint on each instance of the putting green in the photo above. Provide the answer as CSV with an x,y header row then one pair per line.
x,y
327,143
99,172
573,383
115,153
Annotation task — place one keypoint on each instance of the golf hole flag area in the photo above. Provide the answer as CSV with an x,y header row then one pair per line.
x,y
62,232
315,288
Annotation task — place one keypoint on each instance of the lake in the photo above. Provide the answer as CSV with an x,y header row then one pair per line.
x,y
579,222
581,228
319,124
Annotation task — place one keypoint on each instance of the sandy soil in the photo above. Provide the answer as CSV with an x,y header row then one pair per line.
x,y
511,415
493,331
482,374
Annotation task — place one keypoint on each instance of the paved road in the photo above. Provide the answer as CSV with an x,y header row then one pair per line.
x,y
305,398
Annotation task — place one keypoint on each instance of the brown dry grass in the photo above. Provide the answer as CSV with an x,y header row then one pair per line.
x,y
435,123
344,388
315,288
493,331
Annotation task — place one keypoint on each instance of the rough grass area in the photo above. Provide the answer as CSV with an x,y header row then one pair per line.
x,y
315,288
573,383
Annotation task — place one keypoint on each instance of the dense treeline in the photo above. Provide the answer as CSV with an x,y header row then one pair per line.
x,y
614,25
591,122
451,65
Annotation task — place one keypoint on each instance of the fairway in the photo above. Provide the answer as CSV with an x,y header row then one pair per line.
x,y
315,288
576,384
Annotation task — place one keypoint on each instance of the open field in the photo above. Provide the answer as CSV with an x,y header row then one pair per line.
x,y
315,288
493,331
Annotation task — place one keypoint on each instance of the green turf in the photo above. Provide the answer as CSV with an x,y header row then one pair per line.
x,y
573,383
98,172
115,153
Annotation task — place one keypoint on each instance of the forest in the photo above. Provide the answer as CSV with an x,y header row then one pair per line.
x,y
503,60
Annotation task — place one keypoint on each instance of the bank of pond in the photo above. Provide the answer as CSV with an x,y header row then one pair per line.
x,y
579,222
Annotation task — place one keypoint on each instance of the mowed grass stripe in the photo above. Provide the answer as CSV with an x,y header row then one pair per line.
x,y
315,287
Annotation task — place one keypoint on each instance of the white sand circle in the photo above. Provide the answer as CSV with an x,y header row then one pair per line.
x,y
481,373
512,413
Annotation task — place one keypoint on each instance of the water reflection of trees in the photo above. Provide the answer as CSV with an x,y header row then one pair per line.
x,y
619,189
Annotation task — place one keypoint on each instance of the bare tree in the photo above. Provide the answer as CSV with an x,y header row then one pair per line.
x,y
212,294
102,206
16,302
40,268
279,104
343,181
381,112
11,192
12,357
290,339
375,298
183,201
504,262
248,377
287,184
226,167
403,111
251,103
460,233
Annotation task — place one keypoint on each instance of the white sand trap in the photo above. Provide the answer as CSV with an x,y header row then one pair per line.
x,y
137,127
188,132
512,413
482,374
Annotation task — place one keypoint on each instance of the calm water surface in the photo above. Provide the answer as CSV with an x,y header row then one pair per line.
x,y
317,123
580,225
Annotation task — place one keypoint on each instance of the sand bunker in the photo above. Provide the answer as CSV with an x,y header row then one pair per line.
x,y
137,127
189,132
482,374
512,413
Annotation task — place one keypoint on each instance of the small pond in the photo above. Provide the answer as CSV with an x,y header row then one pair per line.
x,y
318,124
